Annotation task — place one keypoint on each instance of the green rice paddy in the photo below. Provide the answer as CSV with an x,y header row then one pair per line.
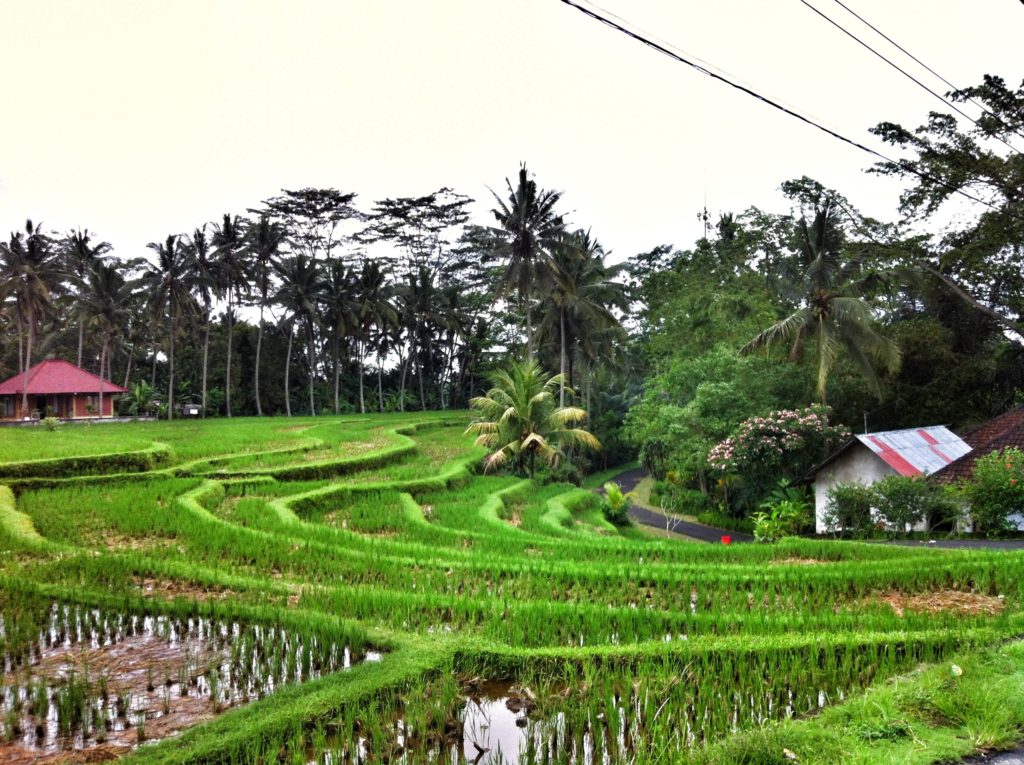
x,y
246,571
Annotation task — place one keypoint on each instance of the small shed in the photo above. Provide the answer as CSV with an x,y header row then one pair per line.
x,y
871,457
57,388
191,410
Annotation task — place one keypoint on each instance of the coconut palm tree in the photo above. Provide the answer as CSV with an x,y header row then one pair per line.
x,y
106,300
528,230
577,303
229,251
32,276
264,239
341,315
205,270
170,282
301,294
831,315
518,419
80,255
373,310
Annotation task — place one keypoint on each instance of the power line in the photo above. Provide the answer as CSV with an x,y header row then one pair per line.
x,y
921,63
904,164
904,72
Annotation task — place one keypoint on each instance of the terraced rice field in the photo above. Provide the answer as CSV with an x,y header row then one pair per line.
x,y
353,589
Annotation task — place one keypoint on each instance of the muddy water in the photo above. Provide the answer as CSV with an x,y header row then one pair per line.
x,y
92,685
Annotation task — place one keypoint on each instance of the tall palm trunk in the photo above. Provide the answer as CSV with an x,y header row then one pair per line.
x,y
529,332
128,366
227,370
81,338
380,383
103,362
170,376
28,363
561,331
206,356
256,369
312,367
287,371
362,403
337,374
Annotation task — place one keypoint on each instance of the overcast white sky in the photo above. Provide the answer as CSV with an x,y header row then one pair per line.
x,y
137,119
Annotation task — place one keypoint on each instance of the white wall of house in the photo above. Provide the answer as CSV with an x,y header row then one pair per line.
x,y
858,464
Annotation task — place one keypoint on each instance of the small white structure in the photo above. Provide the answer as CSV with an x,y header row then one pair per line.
x,y
871,457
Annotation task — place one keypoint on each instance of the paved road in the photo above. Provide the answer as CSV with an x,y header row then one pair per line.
x,y
628,481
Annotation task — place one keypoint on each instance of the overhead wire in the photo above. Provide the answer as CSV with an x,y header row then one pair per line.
x,y
903,164
922,64
946,102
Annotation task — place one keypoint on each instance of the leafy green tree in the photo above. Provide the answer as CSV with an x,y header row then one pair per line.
x,y
519,419
106,300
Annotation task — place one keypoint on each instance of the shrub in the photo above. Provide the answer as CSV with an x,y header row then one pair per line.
x,y
902,501
616,504
849,508
719,520
996,491
785,514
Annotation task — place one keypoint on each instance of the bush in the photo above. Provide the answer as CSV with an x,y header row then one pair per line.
x,y
786,513
906,501
996,491
679,499
616,504
720,520
849,509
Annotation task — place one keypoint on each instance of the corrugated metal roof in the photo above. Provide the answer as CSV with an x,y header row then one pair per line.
x,y
916,451
56,376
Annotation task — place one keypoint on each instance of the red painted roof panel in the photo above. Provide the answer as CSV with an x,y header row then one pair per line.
x,y
916,451
55,376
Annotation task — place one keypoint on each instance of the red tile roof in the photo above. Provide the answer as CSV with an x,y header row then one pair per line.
x,y
55,376
1002,432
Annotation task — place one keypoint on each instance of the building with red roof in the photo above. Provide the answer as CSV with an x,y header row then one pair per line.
x,y
57,388
1002,432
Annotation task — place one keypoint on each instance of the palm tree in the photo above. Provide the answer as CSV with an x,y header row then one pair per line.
x,y
170,282
106,301
341,315
80,256
300,294
264,240
229,250
518,419
373,310
32,275
576,307
830,312
528,230
206,274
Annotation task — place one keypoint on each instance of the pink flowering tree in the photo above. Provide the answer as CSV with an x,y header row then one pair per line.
x,y
782,445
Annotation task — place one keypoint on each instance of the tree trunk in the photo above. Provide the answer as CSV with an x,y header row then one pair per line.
x,y
128,367
362,403
529,332
227,369
337,374
152,374
206,355
401,387
561,370
312,366
423,395
256,369
28,363
81,338
380,384
287,370
103,361
170,376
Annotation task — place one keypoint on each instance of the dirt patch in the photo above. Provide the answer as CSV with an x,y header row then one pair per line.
x,y
120,542
797,561
293,428
170,589
949,601
516,519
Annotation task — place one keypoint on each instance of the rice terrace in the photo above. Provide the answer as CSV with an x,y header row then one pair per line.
x,y
345,589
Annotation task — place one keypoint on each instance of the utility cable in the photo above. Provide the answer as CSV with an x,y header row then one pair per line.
x,y
903,164
947,103
922,64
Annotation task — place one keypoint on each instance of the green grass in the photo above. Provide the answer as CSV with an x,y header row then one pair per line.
x,y
384,528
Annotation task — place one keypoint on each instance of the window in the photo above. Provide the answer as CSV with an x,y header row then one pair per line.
x,y
92,403
7,406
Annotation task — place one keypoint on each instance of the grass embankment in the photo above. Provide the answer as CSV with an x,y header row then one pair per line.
x,y
937,714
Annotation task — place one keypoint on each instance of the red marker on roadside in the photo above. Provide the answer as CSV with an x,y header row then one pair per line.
x,y
726,540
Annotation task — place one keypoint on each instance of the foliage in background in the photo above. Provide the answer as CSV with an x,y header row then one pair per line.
x,y
996,491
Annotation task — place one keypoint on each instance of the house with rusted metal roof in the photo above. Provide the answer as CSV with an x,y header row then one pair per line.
x,y
870,457
57,388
